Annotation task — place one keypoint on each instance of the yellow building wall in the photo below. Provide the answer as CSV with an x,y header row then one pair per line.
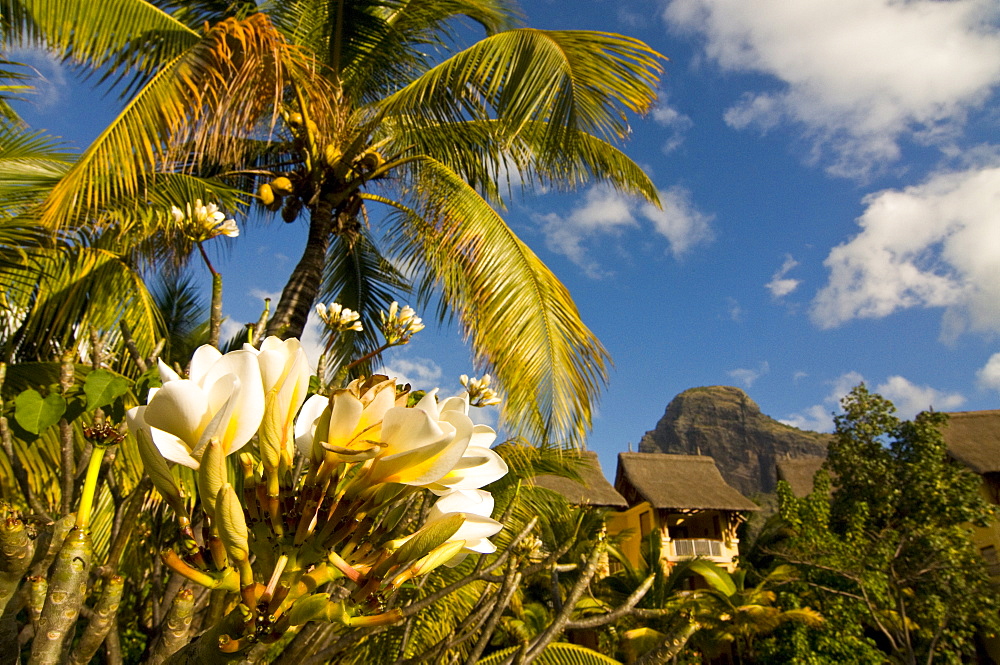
x,y
633,525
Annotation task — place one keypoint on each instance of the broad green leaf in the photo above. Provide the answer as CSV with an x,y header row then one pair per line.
x,y
102,387
716,576
35,413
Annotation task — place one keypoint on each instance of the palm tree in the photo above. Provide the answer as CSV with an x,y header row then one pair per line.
x,y
351,108
731,612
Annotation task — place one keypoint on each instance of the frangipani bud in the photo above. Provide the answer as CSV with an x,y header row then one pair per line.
x,y
336,317
479,391
428,537
284,370
153,461
399,325
232,524
212,475
440,555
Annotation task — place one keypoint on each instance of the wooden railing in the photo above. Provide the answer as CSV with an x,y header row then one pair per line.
x,y
697,547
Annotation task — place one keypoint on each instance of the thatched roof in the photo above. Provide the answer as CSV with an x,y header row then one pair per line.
x,y
973,438
799,472
595,490
677,482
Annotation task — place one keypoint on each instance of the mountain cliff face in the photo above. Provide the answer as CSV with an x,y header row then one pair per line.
x,y
724,423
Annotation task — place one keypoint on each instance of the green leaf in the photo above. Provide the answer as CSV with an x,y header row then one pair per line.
x,y
102,387
716,576
35,413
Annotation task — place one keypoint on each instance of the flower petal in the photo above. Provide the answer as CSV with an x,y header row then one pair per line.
x,y
205,356
483,436
179,407
166,372
474,502
459,403
305,424
406,429
246,408
173,449
478,467
429,404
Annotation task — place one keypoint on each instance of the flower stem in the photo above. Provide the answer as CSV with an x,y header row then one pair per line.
x,y
215,320
89,488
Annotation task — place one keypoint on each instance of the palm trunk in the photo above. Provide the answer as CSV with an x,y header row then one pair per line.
x,y
300,292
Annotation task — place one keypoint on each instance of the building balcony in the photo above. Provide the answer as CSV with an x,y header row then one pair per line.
x,y
692,547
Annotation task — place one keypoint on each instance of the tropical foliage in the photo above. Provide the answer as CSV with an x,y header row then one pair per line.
x,y
397,143
883,543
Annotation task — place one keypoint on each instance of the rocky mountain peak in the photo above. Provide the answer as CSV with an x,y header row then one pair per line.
x,y
724,423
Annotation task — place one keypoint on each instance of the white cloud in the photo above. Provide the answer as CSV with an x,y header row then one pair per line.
x,y
312,339
749,376
909,399
607,212
815,418
262,295
672,119
780,285
421,373
857,75
229,328
932,245
734,309
819,417
989,374
604,211
680,222
48,77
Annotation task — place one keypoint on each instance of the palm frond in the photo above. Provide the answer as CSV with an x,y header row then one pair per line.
x,y
202,103
31,163
120,36
184,313
569,80
76,290
491,162
12,84
522,322
557,653
358,277
373,45
196,13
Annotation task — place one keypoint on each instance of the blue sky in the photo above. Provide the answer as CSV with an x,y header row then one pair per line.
x,y
830,173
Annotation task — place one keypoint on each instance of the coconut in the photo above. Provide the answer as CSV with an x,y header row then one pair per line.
x,y
282,185
266,194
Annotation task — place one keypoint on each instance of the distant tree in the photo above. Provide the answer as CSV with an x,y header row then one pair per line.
x,y
889,548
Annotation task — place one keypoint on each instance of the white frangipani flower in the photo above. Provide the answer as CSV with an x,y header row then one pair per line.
x,y
477,507
478,465
338,317
206,219
399,325
349,422
223,398
418,449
